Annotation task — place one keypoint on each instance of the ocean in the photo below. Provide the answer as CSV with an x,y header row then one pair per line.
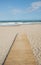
x,y
10,23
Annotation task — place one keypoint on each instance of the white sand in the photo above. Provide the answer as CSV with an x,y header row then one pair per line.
x,y
7,34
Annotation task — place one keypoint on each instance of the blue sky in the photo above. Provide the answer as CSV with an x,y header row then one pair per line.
x,y
20,9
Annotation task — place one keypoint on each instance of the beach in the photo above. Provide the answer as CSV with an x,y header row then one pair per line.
x,y
33,33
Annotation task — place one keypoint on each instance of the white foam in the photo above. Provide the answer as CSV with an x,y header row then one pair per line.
x,y
17,23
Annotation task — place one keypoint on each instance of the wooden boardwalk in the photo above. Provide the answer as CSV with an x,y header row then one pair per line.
x,y
21,52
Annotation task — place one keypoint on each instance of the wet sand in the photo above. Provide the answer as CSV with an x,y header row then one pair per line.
x,y
33,33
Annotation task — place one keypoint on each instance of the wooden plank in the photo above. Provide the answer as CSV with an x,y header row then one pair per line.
x,y
21,52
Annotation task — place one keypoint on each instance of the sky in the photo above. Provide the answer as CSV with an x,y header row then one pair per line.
x,y
20,10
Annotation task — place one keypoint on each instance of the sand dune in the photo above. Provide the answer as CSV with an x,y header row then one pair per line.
x,y
33,32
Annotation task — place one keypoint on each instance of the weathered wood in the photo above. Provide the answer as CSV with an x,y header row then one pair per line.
x,y
21,52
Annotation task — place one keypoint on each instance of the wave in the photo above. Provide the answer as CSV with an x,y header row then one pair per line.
x,y
17,23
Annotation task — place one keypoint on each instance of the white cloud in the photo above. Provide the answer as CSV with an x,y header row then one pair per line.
x,y
34,6
16,11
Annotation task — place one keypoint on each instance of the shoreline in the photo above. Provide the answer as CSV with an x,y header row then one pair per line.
x,y
17,23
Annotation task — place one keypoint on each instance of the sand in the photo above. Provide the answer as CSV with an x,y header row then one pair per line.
x,y
33,32
21,52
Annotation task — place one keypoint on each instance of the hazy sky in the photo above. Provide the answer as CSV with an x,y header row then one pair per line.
x,y
20,9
